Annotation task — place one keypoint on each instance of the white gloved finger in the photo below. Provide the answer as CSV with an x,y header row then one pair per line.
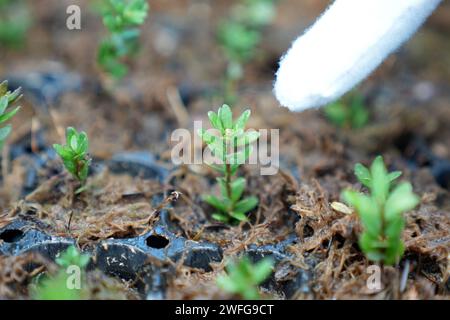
x,y
344,46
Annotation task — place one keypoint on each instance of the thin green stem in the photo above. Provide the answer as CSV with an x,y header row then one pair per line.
x,y
228,179
79,168
230,90
383,235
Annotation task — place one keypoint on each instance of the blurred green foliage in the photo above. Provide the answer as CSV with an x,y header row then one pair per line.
x,y
349,112
122,18
15,21
243,277
56,287
239,36
7,98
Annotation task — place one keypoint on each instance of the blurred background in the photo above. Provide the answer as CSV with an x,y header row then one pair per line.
x,y
179,71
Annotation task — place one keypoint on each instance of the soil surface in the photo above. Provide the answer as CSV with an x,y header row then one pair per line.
x,y
173,82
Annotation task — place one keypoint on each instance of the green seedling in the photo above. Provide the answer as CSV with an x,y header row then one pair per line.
x,y
243,277
231,147
15,20
350,112
7,98
239,37
122,18
75,154
72,257
381,212
64,285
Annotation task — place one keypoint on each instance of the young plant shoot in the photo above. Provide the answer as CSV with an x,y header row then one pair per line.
x,y
239,36
75,154
350,112
122,18
7,98
59,287
381,212
243,277
231,147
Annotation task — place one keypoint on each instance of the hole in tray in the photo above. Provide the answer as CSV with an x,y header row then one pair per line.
x,y
11,236
157,242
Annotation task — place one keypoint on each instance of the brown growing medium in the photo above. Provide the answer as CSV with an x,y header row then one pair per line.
x,y
105,211
316,161
14,278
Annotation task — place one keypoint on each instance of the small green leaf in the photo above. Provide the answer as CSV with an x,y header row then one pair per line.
x,y
380,181
394,175
358,112
74,143
215,121
223,187
83,143
14,96
63,152
234,168
220,217
237,188
70,132
3,104
366,243
219,168
226,284
367,210
9,115
401,200
241,122
394,251
248,138
239,157
262,270
226,117
71,167
215,202
363,174
206,137
218,148
395,228
240,216
337,113
246,205
375,256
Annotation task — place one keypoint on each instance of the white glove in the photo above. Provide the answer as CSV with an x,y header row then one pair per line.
x,y
344,46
